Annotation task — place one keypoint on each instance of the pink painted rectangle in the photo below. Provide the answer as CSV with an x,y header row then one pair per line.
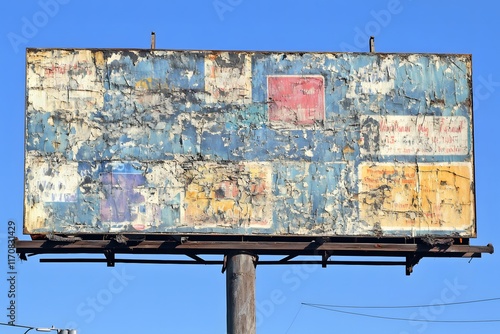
x,y
296,99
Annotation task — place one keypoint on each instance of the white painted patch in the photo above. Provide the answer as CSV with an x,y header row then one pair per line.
x,y
374,79
65,80
414,135
228,84
52,182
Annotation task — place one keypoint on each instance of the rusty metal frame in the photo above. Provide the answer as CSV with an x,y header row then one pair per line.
x,y
410,250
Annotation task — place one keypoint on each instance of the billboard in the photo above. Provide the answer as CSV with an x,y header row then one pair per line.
x,y
248,143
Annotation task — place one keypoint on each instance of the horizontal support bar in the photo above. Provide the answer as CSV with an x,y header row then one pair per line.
x,y
260,263
139,261
261,248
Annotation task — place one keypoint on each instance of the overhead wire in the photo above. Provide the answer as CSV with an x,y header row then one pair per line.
x,y
334,308
294,318
405,306
404,319
14,325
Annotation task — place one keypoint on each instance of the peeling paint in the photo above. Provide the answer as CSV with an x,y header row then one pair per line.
x,y
265,143
423,196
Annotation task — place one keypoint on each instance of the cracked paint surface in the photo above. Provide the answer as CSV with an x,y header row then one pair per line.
x,y
425,195
264,143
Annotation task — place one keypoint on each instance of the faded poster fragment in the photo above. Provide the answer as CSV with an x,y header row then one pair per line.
x,y
124,200
55,182
414,135
232,195
417,198
67,80
228,78
296,100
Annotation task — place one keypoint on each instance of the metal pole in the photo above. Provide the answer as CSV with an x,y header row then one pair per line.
x,y
153,40
240,293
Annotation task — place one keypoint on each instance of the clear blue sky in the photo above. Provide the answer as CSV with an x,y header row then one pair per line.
x,y
191,299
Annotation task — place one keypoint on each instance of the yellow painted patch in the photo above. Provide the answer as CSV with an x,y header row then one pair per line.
x,y
430,197
229,195
144,83
99,58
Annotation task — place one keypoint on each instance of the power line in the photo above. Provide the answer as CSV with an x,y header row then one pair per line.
x,y
405,306
296,315
13,325
401,319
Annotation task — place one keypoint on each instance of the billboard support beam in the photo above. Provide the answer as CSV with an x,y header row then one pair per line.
x,y
411,261
288,249
412,253
217,262
110,257
240,293
325,256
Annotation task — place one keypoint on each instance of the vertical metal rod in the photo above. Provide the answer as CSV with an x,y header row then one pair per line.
x,y
372,44
153,40
240,293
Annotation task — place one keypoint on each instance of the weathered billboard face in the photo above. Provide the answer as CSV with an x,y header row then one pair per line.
x,y
179,142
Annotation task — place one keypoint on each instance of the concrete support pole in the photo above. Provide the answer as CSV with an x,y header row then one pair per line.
x,y
240,293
